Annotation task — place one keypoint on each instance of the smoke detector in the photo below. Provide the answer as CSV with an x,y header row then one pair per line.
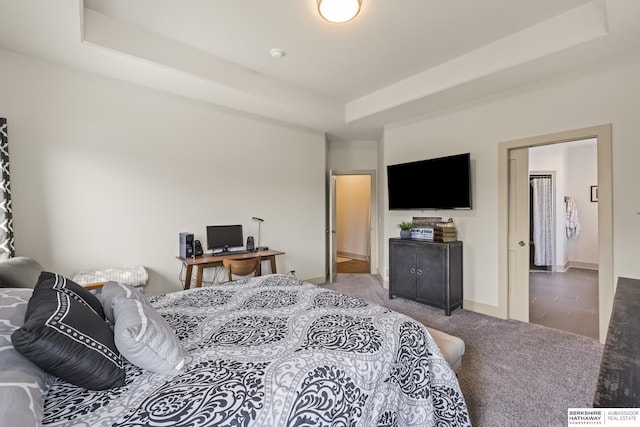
x,y
277,53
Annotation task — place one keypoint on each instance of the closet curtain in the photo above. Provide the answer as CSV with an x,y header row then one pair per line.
x,y
542,221
7,249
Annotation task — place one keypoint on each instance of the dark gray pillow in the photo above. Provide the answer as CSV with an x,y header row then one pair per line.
x,y
19,272
62,284
67,338
22,384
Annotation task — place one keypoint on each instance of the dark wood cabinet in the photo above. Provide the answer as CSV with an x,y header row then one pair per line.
x,y
428,272
619,379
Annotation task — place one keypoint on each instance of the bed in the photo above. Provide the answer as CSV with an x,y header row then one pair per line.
x,y
276,351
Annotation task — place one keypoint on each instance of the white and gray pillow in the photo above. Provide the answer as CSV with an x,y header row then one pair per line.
x,y
112,290
134,276
144,338
141,335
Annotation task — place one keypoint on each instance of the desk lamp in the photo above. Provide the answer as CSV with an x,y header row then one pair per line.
x,y
260,221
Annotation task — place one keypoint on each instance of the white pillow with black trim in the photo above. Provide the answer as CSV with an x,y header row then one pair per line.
x,y
144,338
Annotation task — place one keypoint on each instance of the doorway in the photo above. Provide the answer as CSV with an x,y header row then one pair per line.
x,y
563,270
352,222
513,290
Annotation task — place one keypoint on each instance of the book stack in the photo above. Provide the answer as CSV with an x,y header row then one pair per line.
x,y
445,234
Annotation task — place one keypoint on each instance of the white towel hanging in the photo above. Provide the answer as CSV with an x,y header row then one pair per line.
x,y
572,221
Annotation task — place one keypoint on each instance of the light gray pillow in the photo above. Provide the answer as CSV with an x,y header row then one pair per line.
x,y
19,272
23,385
113,290
144,338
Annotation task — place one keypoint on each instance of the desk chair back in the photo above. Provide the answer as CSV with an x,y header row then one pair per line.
x,y
242,267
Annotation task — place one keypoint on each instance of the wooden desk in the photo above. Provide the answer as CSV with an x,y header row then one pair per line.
x,y
208,261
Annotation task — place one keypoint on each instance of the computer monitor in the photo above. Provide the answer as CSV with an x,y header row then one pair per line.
x,y
224,237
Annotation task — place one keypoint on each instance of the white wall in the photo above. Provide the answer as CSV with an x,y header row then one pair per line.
x,y
107,174
352,155
605,93
583,173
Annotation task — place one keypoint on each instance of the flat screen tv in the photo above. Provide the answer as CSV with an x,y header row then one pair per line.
x,y
439,183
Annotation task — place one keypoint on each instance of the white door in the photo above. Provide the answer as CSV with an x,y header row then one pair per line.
x,y
332,263
519,234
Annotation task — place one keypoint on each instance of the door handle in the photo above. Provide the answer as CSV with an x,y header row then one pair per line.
x,y
521,243
419,272
412,271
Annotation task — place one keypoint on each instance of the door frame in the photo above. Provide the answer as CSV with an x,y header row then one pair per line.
x,y
373,219
606,282
330,249
519,226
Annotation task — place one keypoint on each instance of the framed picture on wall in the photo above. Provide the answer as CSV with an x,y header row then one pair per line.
x,y
594,193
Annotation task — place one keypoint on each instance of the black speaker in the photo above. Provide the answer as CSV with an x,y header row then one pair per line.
x,y
250,245
197,248
186,245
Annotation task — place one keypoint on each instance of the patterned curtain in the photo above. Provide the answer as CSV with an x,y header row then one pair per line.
x,y
542,221
7,249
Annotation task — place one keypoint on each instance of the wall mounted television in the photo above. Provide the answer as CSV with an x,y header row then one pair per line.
x,y
438,183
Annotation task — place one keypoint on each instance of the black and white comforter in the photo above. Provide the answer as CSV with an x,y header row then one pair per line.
x,y
276,351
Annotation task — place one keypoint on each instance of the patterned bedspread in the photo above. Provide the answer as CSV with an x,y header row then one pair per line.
x,y
276,351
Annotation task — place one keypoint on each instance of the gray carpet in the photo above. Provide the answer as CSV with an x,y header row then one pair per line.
x,y
513,373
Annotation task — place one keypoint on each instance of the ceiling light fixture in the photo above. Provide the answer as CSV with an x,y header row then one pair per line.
x,y
339,11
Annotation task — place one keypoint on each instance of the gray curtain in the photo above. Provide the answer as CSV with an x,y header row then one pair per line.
x,y
7,249
542,220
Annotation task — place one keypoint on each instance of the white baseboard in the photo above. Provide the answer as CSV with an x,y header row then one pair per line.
x,y
317,280
561,268
575,264
581,264
478,307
